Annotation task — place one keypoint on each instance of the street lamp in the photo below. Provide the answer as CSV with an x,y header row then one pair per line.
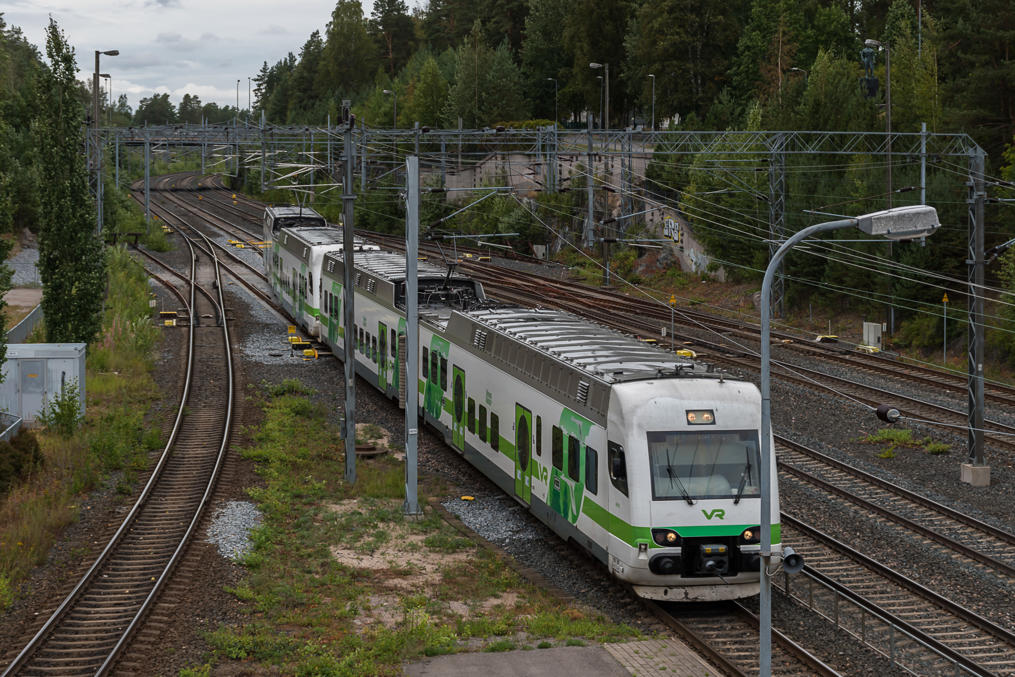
x,y
556,116
653,101
794,69
902,223
237,119
394,111
95,128
606,70
248,100
888,106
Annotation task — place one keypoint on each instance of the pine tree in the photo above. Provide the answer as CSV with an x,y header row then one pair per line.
x,y
72,260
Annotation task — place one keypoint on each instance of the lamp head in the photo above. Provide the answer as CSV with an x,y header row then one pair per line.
x,y
900,223
871,43
388,91
595,65
112,52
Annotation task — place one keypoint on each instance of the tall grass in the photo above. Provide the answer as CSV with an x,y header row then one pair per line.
x,y
110,445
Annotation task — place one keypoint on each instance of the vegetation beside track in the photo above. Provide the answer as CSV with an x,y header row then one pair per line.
x,y
109,446
341,583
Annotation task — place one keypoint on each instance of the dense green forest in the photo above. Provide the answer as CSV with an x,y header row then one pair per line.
x,y
682,64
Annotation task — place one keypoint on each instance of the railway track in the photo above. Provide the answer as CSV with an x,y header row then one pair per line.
x,y
976,647
916,628
727,635
939,525
91,628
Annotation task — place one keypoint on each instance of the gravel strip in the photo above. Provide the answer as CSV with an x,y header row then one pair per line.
x,y
230,528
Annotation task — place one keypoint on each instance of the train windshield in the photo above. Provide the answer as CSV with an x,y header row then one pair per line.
x,y
690,465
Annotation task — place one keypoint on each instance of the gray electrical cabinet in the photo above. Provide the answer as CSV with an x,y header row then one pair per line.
x,y
36,373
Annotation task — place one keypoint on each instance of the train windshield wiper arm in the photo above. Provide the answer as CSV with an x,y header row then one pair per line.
x,y
743,483
674,476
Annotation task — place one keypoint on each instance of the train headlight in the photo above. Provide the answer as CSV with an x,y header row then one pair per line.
x,y
668,538
750,535
700,417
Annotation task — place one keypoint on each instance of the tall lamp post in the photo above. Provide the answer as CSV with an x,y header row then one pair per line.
x,y
600,78
606,71
109,110
556,116
888,106
902,223
95,127
394,110
653,77
248,99
237,122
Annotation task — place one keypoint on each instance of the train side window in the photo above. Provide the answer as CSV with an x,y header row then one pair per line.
x,y
434,372
355,335
495,431
471,420
444,373
573,456
425,363
394,343
482,422
592,470
617,464
539,435
373,348
558,448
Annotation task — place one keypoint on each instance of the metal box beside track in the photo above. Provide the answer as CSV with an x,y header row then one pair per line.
x,y
36,373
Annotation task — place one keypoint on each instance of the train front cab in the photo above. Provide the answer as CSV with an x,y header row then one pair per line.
x,y
683,460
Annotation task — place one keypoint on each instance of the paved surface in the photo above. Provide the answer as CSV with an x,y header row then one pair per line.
x,y
24,297
650,658
23,264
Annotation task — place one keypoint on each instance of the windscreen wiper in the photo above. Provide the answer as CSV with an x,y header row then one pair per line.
x,y
673,476
743,482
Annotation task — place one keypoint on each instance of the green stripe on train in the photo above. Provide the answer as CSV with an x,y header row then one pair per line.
x,y
630,534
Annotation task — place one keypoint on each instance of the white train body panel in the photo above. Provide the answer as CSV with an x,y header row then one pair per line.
x,y
544,403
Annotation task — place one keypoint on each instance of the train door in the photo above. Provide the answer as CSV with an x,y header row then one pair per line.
x,y
458,408
523,453
437,379
382,357
334,314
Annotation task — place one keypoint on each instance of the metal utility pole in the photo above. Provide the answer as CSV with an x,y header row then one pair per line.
x,y
590,195
975,471
348,295
147,179
364,149
653,101
96,144
777,214
411,506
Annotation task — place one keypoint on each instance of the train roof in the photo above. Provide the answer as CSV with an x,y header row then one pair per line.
x,y
323,235
599,351
390,266
293,210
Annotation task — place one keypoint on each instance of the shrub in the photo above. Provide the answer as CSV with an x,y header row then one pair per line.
x,y
63,414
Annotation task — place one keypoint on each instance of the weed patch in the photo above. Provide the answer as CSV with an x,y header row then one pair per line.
x,y
340,582
902,438
77,454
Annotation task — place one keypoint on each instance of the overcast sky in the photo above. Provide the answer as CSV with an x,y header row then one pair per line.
x,y
199,47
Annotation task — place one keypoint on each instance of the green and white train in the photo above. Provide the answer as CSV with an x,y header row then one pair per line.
x,y
646,459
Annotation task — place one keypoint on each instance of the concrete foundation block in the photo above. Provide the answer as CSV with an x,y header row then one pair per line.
x,y
976,475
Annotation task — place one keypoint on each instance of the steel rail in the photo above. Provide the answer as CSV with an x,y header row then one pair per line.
x,y
945,510
205,498
931,534
891,574
131,517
